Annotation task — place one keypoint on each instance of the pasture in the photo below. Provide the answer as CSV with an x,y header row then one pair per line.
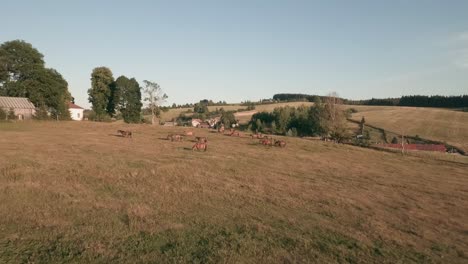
x,y
78,192
438,124
175,112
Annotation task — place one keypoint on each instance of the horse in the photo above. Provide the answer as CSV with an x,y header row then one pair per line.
x,y
125,133
175,137
265,141
201,139
280,143
200,146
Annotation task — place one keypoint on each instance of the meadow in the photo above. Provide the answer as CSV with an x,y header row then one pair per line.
x,y
76,192
175,112
444,125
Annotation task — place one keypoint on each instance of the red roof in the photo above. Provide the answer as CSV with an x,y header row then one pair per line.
x,y
72,105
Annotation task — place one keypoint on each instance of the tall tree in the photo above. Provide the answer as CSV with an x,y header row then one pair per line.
x,y
102,82
22,74
155,97
334,118
128,99
17,60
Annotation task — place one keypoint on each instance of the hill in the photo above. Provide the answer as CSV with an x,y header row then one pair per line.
x,y
438,124
175,112
75,192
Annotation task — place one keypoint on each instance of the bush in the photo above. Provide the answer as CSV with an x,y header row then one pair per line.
x,y
41,114
3,115
11,114
394,140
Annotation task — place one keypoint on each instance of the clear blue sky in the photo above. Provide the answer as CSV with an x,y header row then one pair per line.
x,y
241,50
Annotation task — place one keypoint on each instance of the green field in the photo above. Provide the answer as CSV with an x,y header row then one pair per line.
x,y
75,192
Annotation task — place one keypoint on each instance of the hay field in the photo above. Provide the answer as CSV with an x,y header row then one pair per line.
x,y
75,192
175,112
432,123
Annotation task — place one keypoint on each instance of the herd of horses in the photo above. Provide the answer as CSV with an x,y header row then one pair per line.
x,y
201,143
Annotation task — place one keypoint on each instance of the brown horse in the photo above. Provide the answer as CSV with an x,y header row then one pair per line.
x,y
280,143
125,133
175,137
265,142
200,146
201,139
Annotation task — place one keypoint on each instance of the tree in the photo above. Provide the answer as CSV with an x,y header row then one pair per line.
x,y
128,101
155,97
201,107
101,92
41,113
17,59
362,125
227,118
23,74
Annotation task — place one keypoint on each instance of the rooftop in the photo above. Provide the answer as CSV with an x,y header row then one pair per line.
x,y
16,102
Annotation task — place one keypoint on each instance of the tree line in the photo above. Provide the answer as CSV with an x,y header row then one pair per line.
x,y
324,119
23,74
297,97
417,101
407,100
122,97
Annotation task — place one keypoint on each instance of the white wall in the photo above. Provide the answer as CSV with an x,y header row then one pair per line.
x,y
76,114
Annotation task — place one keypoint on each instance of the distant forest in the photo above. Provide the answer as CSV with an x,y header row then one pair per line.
x,y
410,100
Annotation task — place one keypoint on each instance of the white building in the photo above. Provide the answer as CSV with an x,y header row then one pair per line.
x,y
76,112
196,122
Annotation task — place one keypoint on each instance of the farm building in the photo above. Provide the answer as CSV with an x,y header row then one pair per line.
x,y
22,107
76,112
196,122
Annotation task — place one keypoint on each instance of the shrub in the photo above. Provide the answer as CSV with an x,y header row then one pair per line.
x,y
3,115
11,114
41,113
394,140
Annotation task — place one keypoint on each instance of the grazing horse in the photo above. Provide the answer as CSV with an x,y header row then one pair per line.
x,y
175,137
200,146
258,136
280,143
265,142
201,139
125,133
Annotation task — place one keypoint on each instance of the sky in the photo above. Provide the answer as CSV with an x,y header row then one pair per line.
x,y
249,50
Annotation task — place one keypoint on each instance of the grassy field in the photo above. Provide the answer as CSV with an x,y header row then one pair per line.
x,y
75,192
175,112
432,123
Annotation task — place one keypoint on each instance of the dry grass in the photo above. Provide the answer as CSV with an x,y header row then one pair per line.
x,y
174,113
432,123
74,192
